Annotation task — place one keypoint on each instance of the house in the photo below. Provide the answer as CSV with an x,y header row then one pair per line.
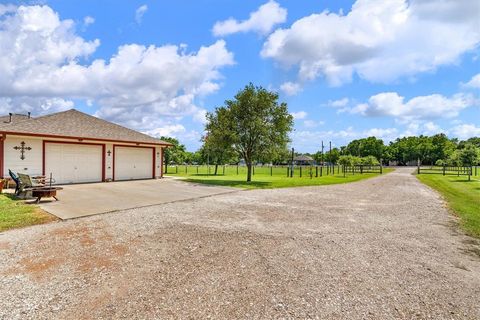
x,y
303,160
76,147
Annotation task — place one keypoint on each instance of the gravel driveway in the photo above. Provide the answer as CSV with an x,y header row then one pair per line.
x,y
383,248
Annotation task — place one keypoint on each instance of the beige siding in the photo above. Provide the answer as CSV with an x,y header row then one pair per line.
x,y
158,162
109,161
33,162
31,165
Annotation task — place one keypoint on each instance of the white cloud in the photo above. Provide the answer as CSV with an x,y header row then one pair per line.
x,y
309,141
379,40
139,13
421,107
261,21
43,67
340,103
299,115
474,82
170,130
312,123
290,88
88,20
465,131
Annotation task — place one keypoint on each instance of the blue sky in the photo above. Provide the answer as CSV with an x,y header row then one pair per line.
x,y
347,69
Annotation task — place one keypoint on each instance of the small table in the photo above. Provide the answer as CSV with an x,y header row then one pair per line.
x,y
45,192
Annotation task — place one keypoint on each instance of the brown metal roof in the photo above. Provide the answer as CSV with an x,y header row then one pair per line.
x,y
74,124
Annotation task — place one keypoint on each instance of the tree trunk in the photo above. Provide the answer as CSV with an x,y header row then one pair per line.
x,y
216,168
166,165
249,171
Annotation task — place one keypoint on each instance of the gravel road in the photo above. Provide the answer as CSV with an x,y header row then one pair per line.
x,y
383,248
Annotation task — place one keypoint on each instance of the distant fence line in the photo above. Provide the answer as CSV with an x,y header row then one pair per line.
x,y
277,170
449,170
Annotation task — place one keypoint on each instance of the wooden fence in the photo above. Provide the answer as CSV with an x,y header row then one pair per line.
x,y
449,170
278,170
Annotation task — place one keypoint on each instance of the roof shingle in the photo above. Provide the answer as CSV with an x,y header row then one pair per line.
x,y
74,124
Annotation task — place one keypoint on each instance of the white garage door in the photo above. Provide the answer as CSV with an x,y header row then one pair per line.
x,y
133,163
73,163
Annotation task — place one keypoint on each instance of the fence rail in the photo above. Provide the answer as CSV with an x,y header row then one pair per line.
x,y
278,170
449,170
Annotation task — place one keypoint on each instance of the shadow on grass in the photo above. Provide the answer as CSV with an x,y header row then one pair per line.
x,y
232,183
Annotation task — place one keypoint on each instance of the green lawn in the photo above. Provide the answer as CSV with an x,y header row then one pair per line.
x,y
264,178
16,214
463,197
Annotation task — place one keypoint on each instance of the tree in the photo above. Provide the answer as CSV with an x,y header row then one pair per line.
x,y
173,154
217,144
470,155
370,146
254,124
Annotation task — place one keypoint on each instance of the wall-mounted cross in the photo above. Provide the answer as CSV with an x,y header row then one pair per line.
x,y
22,149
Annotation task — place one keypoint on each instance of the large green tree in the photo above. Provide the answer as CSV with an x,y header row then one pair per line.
x,y
370,146
253,124
173,154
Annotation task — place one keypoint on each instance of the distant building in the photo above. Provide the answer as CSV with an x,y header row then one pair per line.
x,y
303,160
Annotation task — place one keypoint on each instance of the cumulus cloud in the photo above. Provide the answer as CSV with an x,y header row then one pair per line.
x,y
421,107
299,115
44,65
310,140
340,103
474,82
465,131
380,41
290,88
139,13
261,21
88,20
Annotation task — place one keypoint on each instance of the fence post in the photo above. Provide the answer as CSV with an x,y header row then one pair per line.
x,y
288,171
186,169
223,169
300,171
271,171
253,170
344,173
176,169
361,169
418,166
469,172
321,171
237,169
443,169
316,171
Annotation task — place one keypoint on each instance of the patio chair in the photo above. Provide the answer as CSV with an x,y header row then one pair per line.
x,y
16,180
27,184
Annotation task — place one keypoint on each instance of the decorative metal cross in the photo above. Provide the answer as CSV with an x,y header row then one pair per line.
x,y
22,149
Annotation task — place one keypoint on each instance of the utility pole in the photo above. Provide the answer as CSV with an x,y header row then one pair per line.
x,y
330,153
291,169
322,154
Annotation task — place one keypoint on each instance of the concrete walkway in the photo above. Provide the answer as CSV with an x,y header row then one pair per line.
x,y
88,199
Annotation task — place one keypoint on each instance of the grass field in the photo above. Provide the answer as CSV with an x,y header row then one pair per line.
x,y
265,177
16,214
463,197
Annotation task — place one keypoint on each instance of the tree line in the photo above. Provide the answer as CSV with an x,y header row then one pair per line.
x,y
254,127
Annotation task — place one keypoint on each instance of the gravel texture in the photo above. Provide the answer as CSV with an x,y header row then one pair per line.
x,y
383,248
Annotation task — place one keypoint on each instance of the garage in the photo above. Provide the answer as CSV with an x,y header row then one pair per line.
x,y
132,163
73,163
